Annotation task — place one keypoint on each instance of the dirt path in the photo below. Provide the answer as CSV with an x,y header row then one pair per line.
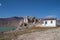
x,y
51,34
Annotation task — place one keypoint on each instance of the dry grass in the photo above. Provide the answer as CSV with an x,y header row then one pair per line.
x,y
13,35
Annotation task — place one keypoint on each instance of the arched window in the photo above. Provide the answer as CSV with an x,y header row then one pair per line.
x,y
51,21
45,22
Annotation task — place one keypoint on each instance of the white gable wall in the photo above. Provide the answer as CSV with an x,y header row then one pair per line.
x,y
25,20
49,24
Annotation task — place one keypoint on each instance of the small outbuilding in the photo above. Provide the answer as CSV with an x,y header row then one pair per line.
x,y
47,22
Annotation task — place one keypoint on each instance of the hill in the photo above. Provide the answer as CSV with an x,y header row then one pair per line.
x,y
13,21
58,22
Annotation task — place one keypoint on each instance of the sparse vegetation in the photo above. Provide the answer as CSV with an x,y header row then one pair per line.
x,y
13,35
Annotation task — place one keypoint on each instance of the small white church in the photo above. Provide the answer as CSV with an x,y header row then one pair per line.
x,y
49,22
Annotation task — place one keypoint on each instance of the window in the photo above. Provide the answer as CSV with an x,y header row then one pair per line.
x,y
51,21
45,22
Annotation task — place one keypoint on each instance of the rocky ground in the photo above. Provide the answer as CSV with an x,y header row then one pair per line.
x,y
51,34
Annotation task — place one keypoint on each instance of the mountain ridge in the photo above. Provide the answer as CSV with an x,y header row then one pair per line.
x,y
12,21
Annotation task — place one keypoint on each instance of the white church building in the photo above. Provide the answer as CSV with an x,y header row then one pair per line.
x,y
48,22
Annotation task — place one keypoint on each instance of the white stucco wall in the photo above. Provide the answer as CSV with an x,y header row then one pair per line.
x,y
49,24
25,20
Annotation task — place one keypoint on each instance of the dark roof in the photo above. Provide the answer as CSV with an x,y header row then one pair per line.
x,y
50,18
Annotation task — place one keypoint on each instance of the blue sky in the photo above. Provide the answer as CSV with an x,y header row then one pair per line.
x,y
37,8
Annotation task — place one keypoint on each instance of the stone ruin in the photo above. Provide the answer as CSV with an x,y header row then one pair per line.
x,y
27,22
